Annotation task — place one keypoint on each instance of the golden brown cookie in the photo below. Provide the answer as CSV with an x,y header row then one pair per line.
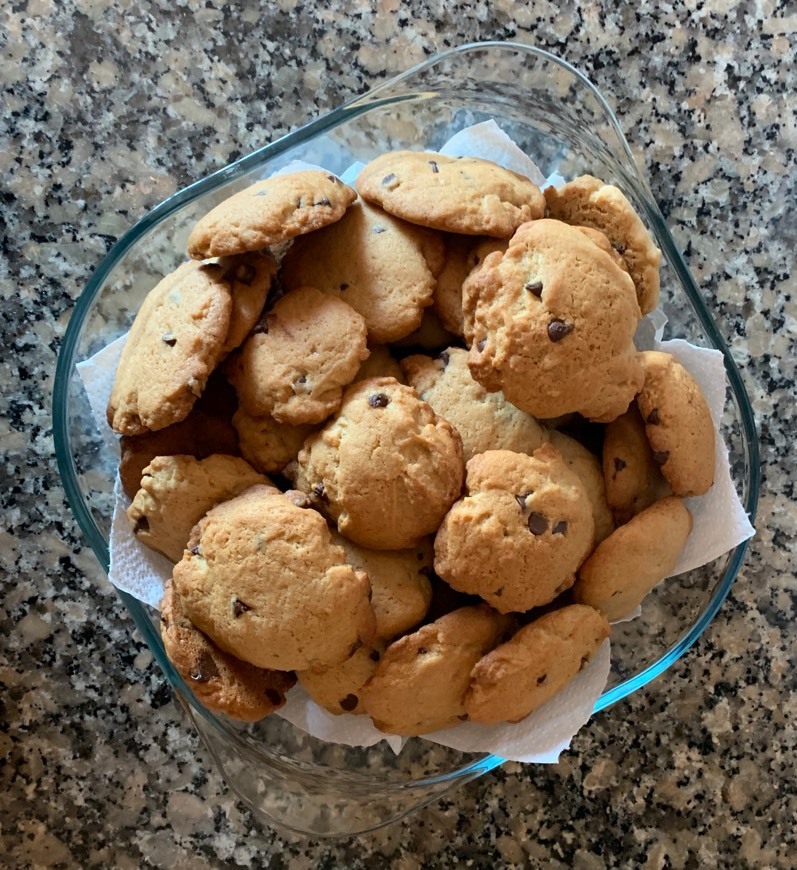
x,y
518,536
632,477
175,342
250,276
551,322
262,578
589,202
266,444
220,681
270,212
295,365
339,688
206,430
373,261
420,683
677,423
634,559
485,421
386,468
459,195
401,590
599,239
588,468
524,673
177,491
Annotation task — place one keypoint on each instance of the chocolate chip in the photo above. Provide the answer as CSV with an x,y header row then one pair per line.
x,y
334,179
535,288
661,456
344,287
194,551
169,339
463,717
239,607
323,201
499,591
444,358
388,178
480,344
244,273
422,650
435,167
619,248
142,525
378,400
374,655
619,464
558,329
653,417
204,670
377,230
542,679
274,696
320,492
560,528
538,524
349,703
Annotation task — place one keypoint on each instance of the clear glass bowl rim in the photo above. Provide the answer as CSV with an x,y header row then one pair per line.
x,y
68,351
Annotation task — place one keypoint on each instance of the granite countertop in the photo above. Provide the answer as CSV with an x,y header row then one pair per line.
x,y
110,107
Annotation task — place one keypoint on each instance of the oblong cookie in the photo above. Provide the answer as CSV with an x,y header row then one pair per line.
x,y
678,424
386,468
632,477
262,578
590,202
524,673
373,261
634,559
220,681
485,421
295,365
518,536
420,683
465,195
177,491
270,212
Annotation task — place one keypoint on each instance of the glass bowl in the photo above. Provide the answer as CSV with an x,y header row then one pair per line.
x,y
559,118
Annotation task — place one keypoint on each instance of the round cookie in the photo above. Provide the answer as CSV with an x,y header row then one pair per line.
x,y
373,261
220,681
380,364
177,491
270,212
420,683
401,590
386,468
485,421
176,341
524,673
295,365
266,444
634,559
678,424
588,201
589,470
551,322
459,195
206,430
262,578
339,689
633,479
462,257
518,536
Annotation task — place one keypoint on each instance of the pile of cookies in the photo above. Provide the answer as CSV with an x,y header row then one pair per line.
x,y
399,444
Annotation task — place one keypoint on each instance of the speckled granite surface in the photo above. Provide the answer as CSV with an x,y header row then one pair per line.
x,y
110,107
